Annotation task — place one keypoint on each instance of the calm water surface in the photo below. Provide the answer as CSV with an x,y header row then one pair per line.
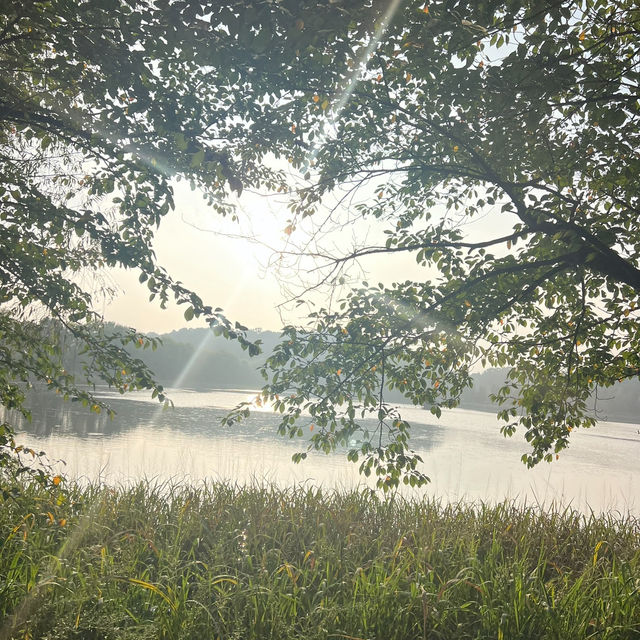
x,y
463,452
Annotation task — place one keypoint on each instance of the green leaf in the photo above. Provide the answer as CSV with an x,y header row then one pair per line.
x,y
181,142
197,158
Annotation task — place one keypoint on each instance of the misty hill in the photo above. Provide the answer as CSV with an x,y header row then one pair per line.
x,y
196,359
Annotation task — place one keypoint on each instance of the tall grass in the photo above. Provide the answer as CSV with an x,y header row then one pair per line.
x,y
221,561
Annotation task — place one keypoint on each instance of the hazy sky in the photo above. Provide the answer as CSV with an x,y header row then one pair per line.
x,y
194,244
225,272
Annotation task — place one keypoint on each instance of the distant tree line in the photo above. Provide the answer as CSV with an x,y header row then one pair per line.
x,y
620,403
196,359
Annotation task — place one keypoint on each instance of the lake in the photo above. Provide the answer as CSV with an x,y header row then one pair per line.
x,y
463,452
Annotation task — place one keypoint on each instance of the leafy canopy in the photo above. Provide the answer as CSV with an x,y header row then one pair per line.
x,y
103,106
526,112
447,112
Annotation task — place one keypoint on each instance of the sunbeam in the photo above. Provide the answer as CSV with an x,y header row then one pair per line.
x,y
177,383
354,78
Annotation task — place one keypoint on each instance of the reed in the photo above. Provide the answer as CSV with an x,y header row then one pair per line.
x,y
224,561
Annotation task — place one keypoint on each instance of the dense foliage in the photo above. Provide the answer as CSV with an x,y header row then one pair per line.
x,y
102,106
442,113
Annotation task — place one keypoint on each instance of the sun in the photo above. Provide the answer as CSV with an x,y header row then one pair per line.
x,y
264,227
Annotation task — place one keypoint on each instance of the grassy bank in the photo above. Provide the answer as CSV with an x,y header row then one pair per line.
x,y
227,562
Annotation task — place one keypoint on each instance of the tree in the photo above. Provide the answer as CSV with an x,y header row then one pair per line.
x,y
103,105
450,110
439,114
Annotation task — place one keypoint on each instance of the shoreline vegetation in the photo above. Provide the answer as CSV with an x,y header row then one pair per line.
x,y
224,561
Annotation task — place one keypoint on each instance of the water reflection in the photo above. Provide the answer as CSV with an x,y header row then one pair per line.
x,y
51,414
463,451
193,413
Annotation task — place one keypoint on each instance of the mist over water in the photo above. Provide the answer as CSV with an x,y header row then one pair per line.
x,y
463,452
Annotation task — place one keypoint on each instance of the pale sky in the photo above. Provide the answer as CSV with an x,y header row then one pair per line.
x,y
194,245
225,272
229,272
